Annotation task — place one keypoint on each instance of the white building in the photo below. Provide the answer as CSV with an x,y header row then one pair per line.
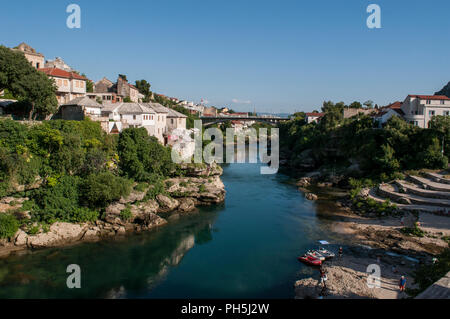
x,y
420,109
70,85
386,113
125,115
313,117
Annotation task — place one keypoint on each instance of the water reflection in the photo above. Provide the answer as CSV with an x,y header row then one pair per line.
x,y
109,269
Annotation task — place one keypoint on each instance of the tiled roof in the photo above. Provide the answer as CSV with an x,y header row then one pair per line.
x,y
84,101
173,113
430,97
158,108
128,108
62,74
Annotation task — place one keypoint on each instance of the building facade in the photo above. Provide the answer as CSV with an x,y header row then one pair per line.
x,y
70,85
36,59
420,109
80,109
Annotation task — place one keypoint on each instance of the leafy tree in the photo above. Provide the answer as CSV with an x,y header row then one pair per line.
x,y
101,189
144,88
369,104
355,105
89,84
26,83
142,156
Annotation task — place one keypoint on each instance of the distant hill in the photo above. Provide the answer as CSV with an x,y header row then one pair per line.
x,y
445,91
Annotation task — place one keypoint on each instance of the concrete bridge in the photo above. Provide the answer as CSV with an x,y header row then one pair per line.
x,y
210,120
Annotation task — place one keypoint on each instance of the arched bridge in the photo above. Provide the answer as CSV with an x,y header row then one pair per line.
x,y
211,120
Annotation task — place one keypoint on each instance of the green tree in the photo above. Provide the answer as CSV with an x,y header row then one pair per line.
x,y
26,83
89,84
101,189
142,157
144,88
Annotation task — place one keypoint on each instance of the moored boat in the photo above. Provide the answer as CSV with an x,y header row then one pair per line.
x,y
326,253
309,260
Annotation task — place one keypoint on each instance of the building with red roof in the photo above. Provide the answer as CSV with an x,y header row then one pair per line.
x,y
70,85
420,109
313,117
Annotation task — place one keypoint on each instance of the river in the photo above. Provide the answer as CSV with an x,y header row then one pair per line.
x,y
244,248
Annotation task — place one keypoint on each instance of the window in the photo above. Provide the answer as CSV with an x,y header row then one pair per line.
x,y
134,117
446,113
171,121
66,83
428,101
59,82
37,65
431,113
442,102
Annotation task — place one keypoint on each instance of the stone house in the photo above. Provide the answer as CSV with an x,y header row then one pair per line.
x,y
420,109
80,108
313,117
175,120
386,113
123,115
111,92
36,59
350,112
70,85
210,111
59,64
161,129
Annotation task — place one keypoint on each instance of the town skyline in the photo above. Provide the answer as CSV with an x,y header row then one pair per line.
x,y
327,54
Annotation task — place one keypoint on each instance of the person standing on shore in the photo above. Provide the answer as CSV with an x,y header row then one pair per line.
x,y
402,284
341,251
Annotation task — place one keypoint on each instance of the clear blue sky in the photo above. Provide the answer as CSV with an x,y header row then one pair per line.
x,y
278,56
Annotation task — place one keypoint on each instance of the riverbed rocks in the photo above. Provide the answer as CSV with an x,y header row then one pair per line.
x,y
205,191
311,196
186,205
202,170
166,204
134,213
60,233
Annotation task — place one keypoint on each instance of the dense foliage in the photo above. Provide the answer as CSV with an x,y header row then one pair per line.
x,y
72,170
33,88
142,157
339,142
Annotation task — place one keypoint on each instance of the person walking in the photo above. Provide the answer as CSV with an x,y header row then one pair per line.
x,y
323,278
402,284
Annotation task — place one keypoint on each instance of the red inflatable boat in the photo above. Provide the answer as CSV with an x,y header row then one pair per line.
x,y
309,260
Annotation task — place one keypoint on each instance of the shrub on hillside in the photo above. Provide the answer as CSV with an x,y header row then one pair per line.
x,y
101,189
9,225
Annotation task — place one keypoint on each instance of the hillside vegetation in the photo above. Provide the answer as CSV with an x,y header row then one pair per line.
x,y
70,171
354,147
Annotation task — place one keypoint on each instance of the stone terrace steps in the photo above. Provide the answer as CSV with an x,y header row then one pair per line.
x,y
439,290
429,184
416,190
439,178
392,192
412,207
